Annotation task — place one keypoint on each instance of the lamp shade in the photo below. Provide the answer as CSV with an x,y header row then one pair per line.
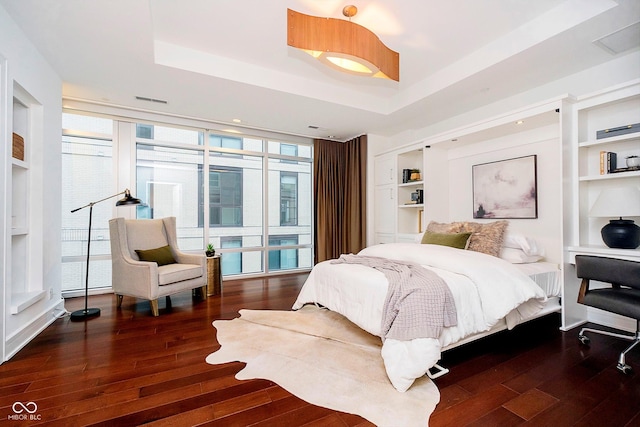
x,y
128,199
342,45
618,202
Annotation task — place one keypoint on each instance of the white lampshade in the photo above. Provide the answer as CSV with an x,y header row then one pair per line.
x,y
617,202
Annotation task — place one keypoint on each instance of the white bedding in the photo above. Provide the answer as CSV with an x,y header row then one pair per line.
x,y
485,289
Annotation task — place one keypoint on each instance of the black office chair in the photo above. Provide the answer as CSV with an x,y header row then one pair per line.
x,y
622,297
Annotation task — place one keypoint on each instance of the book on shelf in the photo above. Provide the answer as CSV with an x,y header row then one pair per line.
x,y
608,162
406,175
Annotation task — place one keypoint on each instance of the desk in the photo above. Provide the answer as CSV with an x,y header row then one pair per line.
x,y
603,251
214,276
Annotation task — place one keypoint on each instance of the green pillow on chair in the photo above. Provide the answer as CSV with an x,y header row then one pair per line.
x,y
455,240
161,256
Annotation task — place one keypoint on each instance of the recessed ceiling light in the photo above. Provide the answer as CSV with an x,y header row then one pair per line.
x,y
236,121
519,122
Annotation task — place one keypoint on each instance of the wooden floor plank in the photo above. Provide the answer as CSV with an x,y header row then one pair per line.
x,y
127,367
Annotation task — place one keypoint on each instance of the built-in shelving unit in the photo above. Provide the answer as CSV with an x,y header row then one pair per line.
x,y
25,289
612,108
410,213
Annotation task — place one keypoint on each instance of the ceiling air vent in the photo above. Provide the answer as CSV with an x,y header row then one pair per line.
x,y
143,98
621,40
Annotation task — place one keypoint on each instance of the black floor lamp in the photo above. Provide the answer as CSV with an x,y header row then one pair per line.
x,y
126,200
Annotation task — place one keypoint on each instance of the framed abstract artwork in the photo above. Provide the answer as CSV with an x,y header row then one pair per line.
x,y
506,189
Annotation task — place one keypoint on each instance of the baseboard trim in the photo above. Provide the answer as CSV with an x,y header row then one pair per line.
x,y
22,337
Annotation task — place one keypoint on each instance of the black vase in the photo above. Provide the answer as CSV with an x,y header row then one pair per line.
x,y
621,234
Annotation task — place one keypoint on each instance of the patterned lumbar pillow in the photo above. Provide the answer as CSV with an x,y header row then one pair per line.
x,y
486,238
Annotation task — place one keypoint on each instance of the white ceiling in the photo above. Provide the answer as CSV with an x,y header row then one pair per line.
x,y
221,60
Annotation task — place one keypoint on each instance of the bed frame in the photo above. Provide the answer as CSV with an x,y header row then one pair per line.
x,y
552,305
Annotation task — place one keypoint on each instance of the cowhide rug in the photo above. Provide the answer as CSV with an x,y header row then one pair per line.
x,y
324,359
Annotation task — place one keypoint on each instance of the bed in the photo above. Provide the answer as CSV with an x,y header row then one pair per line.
x,y
490,294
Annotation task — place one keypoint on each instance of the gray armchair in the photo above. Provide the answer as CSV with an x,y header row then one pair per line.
x,y
622,296
147,279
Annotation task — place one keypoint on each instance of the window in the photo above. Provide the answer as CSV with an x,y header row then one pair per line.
x,y
167,182
225,142
248,196
225,197
283,259
87,165
289,150
231,262
288,198
165,134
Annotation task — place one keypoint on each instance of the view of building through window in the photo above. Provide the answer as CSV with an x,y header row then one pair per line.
x,y
249,197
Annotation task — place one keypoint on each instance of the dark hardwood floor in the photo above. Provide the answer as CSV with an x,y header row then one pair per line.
x,y
128,368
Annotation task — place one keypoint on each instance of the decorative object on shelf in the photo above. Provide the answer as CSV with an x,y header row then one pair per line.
x,y
633,161
210,251
620,130
619,202
420,221
17,151
416,196
627,169
87,313
410,175
506,188
342,45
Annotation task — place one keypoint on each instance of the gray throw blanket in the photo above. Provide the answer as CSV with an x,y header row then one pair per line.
x,y
418,304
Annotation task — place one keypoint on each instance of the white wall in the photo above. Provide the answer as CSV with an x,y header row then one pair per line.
x,y
27,67
542,142
619,70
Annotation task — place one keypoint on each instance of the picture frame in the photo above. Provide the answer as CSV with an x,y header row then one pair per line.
x,y
506,189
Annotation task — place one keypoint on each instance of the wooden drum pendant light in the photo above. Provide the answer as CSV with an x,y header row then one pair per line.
x,y
342,44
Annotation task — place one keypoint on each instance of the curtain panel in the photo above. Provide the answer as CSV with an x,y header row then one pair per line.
x,y
340,175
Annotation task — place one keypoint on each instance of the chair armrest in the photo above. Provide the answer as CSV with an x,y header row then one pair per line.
x,y
584,289
187,258
135,278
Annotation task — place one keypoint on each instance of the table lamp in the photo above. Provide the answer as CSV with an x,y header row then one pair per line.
x,y
619,202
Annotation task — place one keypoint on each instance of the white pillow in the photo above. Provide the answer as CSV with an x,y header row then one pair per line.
x,y
518,256
527,244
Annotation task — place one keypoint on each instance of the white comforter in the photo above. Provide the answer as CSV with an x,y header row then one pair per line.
x,y
486,289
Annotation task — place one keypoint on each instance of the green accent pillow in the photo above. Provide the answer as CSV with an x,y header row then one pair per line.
x,y
455,240
161,256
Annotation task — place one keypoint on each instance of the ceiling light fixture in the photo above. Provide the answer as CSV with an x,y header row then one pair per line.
x,y
342,45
